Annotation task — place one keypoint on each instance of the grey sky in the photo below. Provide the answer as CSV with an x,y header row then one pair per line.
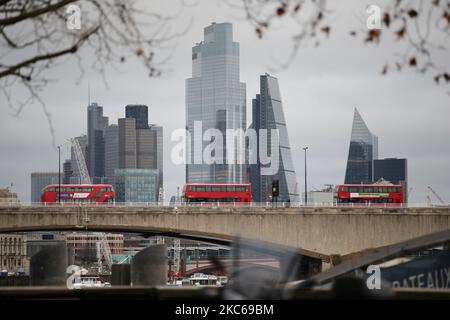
x,y
408,112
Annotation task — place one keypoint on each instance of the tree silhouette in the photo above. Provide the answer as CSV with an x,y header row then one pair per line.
x,y
423,27
35,36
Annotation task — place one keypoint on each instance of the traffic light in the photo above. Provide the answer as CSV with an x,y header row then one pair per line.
x,y
275,188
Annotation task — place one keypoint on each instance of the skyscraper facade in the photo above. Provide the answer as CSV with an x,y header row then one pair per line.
x,y
140,146
268,115
138,112
159,152
111,151
363,151
393,170
215,97
96,143
127,143
39,180
145,149
136,185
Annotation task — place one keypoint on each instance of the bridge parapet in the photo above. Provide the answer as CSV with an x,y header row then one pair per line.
x,y
334,230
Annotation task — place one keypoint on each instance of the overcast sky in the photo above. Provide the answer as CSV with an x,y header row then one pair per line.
x,y
408,111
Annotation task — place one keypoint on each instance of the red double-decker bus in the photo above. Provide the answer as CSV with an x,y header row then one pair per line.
x,y
369,194
221,194
78,193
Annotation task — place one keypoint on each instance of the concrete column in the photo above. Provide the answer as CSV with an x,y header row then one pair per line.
x,y
48,266
148,267
121,274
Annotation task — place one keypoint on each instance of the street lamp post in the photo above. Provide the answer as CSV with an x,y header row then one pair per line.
x,y
306,185
59,174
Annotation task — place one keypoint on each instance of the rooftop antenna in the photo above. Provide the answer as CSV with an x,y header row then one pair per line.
x,y
89,93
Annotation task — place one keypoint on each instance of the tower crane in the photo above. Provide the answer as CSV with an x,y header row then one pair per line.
x,y
81,162
437,196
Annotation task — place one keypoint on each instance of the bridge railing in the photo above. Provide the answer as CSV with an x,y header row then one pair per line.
x,y
225,205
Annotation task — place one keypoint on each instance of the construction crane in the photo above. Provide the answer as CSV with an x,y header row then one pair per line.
x,y
176,256
81,162
429,201
437,196
103,251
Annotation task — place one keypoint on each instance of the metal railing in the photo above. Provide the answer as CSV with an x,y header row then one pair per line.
x,y
226,205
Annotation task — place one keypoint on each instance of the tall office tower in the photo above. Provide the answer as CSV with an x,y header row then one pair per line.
x,y
159,152
362,151
145,149
111,151
96,143
268,115
127,143
41,179
393,170
138,112
216,98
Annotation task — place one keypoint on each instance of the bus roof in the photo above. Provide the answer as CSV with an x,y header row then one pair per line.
x,y
78,185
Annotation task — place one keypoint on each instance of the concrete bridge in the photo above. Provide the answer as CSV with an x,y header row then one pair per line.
x,y
336,230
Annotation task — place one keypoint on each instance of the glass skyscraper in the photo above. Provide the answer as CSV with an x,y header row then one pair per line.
x,y
96,142
267,113
363,151
138,112
136,185
216,98
111,151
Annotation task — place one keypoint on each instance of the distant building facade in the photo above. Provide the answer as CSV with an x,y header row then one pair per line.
x,y
363,151
96,143
393,170
323,197
13,253
127,143
39,180
136,185
140,146
84,246
267,115
6,196
139,112
111,151
159,152
216,98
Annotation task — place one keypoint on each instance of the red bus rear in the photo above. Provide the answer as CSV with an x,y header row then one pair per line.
x,y
220,194
375,194
78,193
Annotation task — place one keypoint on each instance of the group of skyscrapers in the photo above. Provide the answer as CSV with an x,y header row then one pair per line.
x,y
128,155
216,98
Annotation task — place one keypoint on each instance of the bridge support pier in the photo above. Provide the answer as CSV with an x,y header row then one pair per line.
x,y
148,267
48,266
